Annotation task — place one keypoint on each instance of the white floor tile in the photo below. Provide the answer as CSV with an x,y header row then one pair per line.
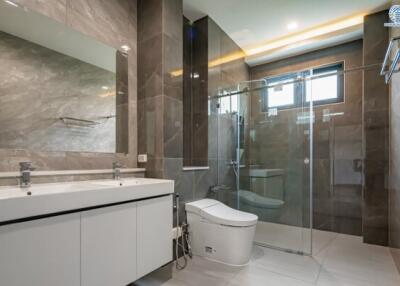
x,y
283,236
339,260
351,261
299,267
204,272
328,278
322,240
254,275
174,282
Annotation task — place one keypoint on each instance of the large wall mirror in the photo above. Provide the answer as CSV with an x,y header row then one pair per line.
x,y
59,90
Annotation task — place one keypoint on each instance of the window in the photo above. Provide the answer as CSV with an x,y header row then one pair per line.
x,y
228,104
286,91
282,92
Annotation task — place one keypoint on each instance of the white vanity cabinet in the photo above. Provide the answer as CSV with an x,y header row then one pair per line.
x,y
108,245
154,236
97,233
41,252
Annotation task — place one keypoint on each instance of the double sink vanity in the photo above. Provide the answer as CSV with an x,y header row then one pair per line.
x,y
106,232
63,98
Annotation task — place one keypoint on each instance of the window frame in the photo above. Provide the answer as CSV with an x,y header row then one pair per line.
x,y
300,97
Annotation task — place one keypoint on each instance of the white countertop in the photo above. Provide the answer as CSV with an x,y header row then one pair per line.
x,y
71,172
45,199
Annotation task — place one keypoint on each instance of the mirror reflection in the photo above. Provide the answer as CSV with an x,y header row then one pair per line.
x,y
58,88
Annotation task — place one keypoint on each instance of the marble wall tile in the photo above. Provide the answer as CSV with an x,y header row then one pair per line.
x,y
65,86
173,128
160,53
394,164
150,21
154,114
376,135
55,9
114,23
196,97
173,85
173,17
184,182
205,179
150,76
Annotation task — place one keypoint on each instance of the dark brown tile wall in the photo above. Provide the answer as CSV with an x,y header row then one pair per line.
x,y
187,93
161,107
113,23
160,92
375,132
198,95
337,144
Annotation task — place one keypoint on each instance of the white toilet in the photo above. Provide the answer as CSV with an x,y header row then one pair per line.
x,y
221,233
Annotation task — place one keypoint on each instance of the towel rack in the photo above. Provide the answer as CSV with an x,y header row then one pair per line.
x,y
78,121
84,122
392,69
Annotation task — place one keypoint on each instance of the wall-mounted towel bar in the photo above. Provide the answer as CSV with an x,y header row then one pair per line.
x,y
84,122
388,73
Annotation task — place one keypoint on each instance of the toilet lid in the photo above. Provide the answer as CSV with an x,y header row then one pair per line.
x,y
197,206
222,214
216,212
256,200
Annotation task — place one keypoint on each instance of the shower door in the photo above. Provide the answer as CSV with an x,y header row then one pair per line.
x,y
264,158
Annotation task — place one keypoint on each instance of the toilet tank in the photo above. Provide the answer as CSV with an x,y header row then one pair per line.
x,y
268,183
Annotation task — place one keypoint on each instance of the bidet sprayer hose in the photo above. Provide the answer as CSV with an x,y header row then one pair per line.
x,y
177,244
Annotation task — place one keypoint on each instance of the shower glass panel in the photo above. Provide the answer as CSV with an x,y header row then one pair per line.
x,y
264,157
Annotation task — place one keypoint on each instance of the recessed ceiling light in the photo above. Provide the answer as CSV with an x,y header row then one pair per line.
x,y
292,26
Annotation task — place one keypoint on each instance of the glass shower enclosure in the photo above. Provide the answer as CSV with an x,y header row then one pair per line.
x,y
264,156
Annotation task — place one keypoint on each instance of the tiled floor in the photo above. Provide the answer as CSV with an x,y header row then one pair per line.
x,y
341,260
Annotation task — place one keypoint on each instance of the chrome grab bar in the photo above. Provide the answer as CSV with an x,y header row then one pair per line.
x,y
389,73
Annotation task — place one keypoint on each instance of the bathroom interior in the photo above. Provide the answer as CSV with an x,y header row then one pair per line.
x,y
190,143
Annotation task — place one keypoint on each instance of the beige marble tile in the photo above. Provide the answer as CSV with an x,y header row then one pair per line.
x,y
111,22
114,23
55,9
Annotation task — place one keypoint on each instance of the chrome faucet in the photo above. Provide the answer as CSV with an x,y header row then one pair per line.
x,y
117,171
25,179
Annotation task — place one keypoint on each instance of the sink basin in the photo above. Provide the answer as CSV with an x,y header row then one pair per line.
x,y
125,182
117,183
40,190
16,203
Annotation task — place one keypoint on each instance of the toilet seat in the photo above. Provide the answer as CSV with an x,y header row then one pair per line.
x,y
216,212
255,200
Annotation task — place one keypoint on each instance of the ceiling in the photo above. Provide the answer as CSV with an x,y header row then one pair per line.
x,y
251,22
